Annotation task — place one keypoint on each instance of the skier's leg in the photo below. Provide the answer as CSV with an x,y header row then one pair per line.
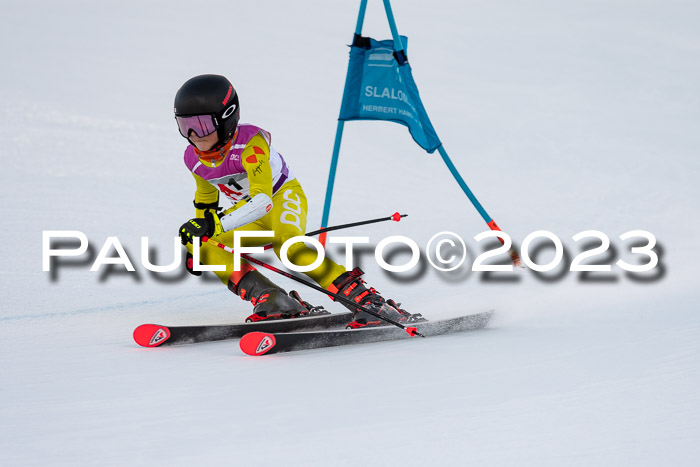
x,y
270,300
289,220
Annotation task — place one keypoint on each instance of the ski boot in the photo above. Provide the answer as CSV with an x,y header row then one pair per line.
x,y
270,300
351,285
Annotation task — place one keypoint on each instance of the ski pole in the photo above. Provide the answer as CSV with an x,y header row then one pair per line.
x,y
394,217
323,231
411,330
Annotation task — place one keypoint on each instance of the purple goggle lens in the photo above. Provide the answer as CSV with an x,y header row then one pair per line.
x,y
202,125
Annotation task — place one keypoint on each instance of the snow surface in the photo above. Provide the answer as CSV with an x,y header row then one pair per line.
x,y
563,116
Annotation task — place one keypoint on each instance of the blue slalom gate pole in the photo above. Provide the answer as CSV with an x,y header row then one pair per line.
x,y
361,17
484,215
463,185
331,180
336,145
398,46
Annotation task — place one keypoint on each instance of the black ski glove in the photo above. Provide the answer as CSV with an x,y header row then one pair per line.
x,y
207,226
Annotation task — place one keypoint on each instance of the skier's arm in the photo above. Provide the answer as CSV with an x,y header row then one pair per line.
x,y
256,162
206,202
206,197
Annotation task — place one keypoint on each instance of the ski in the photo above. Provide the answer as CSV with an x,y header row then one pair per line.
x,y
265,343
156,335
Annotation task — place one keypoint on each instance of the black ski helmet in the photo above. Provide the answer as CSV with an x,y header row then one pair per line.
x,y
210,95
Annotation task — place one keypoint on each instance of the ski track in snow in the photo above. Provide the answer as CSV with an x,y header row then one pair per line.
x,y
560,116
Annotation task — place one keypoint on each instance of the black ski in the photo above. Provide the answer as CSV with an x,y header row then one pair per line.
x,y
156,335
261,343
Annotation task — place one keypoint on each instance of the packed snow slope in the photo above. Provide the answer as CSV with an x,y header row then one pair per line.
x,y
561,116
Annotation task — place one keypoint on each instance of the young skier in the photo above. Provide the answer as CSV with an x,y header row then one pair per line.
x,y
238,162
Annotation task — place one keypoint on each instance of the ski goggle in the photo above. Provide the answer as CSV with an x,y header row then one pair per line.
x,y
202,125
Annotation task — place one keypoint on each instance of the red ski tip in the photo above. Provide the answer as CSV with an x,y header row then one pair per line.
x,y
257,343
396,216
151,335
